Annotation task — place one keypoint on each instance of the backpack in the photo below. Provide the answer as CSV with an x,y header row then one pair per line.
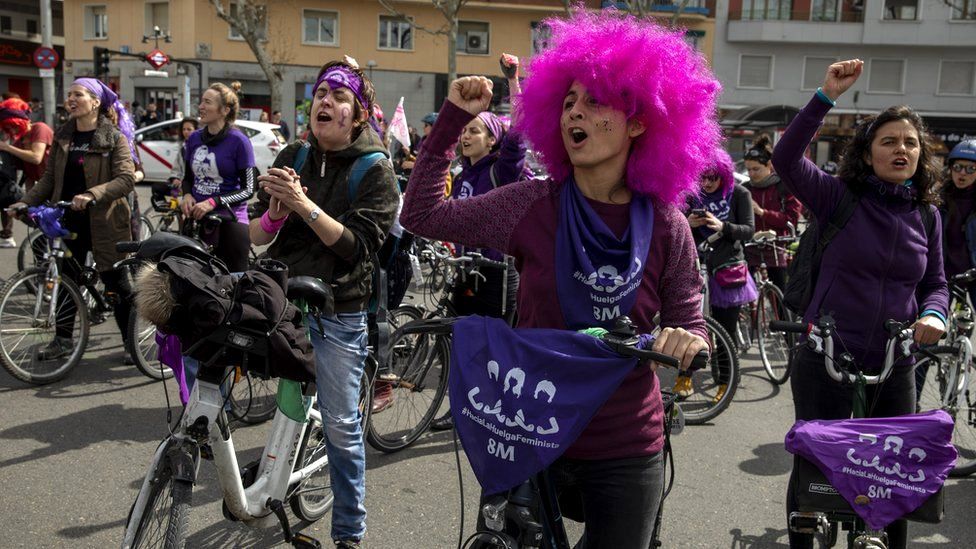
x,y
803,271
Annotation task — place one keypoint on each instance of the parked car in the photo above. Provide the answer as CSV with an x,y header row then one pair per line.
x,y
159,144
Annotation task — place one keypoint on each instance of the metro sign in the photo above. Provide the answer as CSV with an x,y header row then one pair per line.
x,y
157,58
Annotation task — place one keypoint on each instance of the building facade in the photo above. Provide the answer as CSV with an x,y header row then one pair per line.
x,y
771,55
20,35
301,35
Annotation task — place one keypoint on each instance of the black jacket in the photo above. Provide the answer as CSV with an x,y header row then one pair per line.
x,y
739,227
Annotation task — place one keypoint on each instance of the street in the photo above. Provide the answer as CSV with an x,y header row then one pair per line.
x,y
73,455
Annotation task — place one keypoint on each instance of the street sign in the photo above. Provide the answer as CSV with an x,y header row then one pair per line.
x,y
157,58
46,73
157,74
46,58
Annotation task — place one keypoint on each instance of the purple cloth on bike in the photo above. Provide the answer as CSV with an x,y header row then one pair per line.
x,y
521,397
909,455
49,219
731,297
170,354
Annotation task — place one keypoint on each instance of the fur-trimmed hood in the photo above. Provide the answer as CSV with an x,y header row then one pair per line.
x,y
106,133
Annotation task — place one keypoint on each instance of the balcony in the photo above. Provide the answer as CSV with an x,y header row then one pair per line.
x,y
796,27
798,16
693,7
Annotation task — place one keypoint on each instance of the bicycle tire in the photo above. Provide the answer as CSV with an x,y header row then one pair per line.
x,y
168,506
18,289
743,330
147,228
31,250
702,406
254,400
416,361
142,348
775,350
312,507
956,400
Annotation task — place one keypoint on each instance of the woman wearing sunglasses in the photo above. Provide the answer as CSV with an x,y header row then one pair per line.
x,y
959,212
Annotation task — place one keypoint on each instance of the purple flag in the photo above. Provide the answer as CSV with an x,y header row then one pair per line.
x,y
884,467
520,398
170,353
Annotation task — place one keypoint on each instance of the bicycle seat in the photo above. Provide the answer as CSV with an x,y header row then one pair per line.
x,y
309,289
162,242
764,235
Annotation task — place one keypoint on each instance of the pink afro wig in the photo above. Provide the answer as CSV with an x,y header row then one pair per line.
x,y
637,67
719,162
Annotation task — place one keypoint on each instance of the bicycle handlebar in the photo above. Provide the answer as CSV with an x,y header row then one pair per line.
x,y
127,247
470,258
788,327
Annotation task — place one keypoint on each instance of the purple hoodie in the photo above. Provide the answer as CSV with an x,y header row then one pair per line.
x,y
881,265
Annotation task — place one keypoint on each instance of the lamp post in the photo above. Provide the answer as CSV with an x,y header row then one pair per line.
x,y
156,35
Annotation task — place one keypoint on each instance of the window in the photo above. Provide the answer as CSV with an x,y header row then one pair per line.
x,y
814,69
541,34
168,132
262,14
767,9
157,15
6,25
756,71
824,10
31,27
321,28
694,38
395,34
963,10
96,23
901,10
472,38
886,76
957,77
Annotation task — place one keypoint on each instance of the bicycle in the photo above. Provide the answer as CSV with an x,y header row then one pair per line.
x,y
774,350
820,505
32,300
418,365
944,376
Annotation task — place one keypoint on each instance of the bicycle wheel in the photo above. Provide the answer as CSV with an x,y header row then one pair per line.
x,y
146,228
254,400
166,519
31,250
948,385
312,498
775,349
713,387
143,350
743,329
409,392
26,326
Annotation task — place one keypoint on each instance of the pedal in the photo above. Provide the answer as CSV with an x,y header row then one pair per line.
x,y
301,541
809,523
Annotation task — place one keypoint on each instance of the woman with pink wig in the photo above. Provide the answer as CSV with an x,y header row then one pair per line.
x,y
622,112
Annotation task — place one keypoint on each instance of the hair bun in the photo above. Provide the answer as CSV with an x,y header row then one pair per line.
x,y
763,142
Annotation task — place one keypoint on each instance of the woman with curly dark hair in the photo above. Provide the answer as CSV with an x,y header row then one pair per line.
x,y
886,263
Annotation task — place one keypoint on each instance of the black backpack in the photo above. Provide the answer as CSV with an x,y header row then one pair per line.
x,y
803,271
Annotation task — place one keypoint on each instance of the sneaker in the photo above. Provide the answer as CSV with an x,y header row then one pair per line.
x,y
682,386
57,348
383,396
722,387
443,423
348,544
8,242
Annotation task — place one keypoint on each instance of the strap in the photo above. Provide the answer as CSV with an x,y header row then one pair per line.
x,y
928,219
301,156
494,178
359,168
845,208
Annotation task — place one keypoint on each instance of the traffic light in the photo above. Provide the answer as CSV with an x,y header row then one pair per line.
x,y
102,57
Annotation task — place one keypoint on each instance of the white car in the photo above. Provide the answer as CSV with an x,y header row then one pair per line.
x,y
159,144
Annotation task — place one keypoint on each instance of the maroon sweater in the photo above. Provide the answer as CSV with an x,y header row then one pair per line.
x,y
521,220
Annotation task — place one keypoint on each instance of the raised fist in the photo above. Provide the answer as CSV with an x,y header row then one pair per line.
x,y
471,93
841,76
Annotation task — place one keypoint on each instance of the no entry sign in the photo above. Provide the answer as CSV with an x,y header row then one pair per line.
x,y
157,58
46,58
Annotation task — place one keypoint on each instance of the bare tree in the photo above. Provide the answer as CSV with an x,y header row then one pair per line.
x,y
249,20
449,9
643,8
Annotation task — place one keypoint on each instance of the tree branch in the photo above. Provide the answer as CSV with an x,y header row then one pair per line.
x,y
402,17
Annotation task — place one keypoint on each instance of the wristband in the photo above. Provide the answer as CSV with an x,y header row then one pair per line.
x,y
212,202
933,312
823,97
272,226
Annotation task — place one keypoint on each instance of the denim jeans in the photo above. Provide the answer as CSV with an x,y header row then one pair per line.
x,y
340,357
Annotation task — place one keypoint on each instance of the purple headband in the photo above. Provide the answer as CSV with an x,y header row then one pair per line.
x,y
110,99
6,114
342,77
494,125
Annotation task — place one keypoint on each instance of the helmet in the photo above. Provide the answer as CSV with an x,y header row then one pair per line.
x,y
965,150
429,119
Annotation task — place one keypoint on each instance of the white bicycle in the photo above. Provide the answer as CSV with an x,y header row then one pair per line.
x,y
293,468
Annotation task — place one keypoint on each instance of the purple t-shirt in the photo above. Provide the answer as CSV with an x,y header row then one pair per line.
x,y
218,169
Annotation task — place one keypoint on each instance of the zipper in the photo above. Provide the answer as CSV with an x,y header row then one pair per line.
x,y
884,285
322,169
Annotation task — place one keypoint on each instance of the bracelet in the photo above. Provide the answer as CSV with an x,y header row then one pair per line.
x,y
936,314
272,226
823,97
212,202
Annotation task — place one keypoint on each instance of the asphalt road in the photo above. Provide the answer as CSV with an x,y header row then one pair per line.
x,y
72,456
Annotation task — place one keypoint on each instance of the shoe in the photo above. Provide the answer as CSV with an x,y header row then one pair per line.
x,y
443,423
682,386
57,348
722,387
127,360
348,544
383,396
8,242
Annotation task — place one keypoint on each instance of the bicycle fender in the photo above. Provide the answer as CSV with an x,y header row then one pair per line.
x,y
184,460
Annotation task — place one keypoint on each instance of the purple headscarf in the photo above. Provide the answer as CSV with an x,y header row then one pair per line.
x,y
109,100
342,77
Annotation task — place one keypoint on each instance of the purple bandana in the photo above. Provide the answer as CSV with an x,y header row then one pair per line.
x,y
6,114
884,467
170,353
111,100
341,77
521,397
494,125
49,219
597,274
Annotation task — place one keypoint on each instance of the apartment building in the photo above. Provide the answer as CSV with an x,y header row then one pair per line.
x,y
301,35
772,54
20,35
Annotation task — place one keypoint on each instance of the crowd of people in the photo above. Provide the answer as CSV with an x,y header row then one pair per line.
x,y
637,176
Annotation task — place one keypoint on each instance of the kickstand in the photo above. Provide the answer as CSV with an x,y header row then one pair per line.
x,y
299,541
